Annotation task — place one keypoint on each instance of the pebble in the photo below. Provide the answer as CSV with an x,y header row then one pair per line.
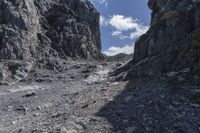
x,y
131,129
115,83
175,103
63,130
171,107
195,105
30,94
85,105
36,114
40,80
149,129
72,77
39,108
128,98
70,131
181,114
4,83
23,109
162,96
14,122
172,74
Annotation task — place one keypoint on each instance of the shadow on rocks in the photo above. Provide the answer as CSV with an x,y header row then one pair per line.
x,y
150,105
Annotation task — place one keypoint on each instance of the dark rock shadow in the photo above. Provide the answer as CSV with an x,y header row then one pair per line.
x,y
148,105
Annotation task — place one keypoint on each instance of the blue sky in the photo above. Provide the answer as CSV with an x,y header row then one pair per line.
x,y
122,22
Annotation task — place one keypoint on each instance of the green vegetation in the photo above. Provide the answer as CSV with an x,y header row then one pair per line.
x,y
196,42
196,97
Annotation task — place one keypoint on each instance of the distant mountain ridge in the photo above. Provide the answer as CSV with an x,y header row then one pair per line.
x,y
121,57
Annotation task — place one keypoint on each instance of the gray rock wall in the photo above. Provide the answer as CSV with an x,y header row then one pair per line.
x,y
35,28
19,25
38,33
172,43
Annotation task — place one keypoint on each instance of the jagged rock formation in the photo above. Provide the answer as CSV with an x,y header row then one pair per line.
x,y
33,30
172,44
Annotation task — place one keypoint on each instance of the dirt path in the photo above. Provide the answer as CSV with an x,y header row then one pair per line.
x,y
83,99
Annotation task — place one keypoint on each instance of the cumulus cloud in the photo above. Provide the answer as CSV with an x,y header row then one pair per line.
x,y
123,37
128,49
119,35
124,28
122,24
116,33
140,30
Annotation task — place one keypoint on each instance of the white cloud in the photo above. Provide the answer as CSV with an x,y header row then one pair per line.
x,y
128,49
119,35
123,37
116,33
105,2
123,28
123,24
103,21
140,30
102,1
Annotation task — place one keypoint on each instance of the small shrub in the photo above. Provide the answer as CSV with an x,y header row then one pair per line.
x,y
196,43
196,97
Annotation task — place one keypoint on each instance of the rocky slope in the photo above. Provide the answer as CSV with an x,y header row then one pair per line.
x,y
38,32
172,44
84,99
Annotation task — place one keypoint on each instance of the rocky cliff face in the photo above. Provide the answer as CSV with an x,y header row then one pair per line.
x,y
33,30
27,27
172,45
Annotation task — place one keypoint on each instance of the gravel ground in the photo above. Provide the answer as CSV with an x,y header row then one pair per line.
x,y
84,99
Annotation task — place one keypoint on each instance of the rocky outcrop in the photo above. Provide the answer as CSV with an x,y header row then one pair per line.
x,y
172,44
72,27
37,30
